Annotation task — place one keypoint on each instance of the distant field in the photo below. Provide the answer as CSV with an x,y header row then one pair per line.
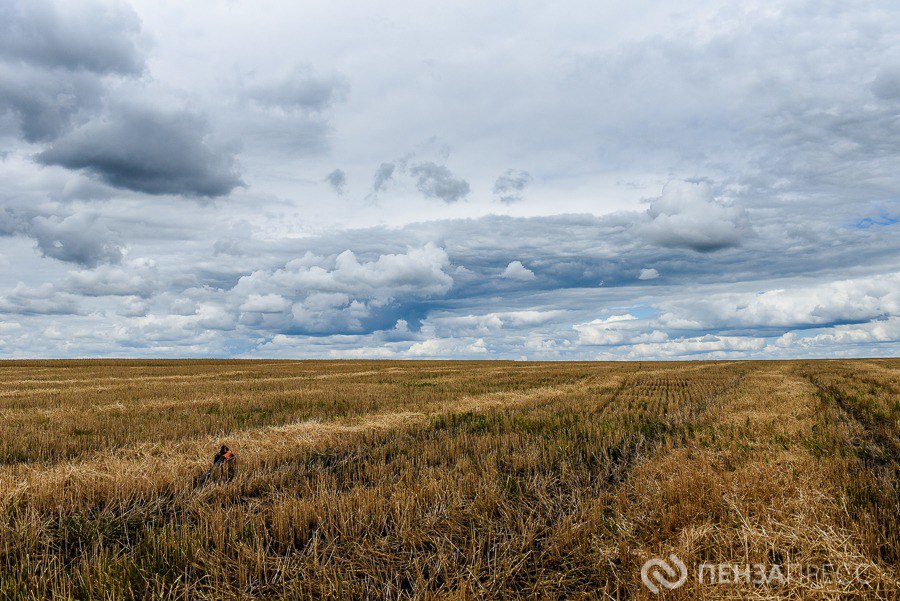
x,y
460,480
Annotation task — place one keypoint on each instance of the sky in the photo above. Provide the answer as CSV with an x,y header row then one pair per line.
x,y
474,180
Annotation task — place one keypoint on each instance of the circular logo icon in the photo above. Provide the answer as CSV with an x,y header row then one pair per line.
x,y
668,574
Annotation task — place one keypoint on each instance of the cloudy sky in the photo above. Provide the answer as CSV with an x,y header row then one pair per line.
x,y
482,180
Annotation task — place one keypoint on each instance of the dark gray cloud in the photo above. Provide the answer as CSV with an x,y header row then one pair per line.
x,y
337,179
53,59
92,36
383,176
509,187
148,151
436,181
44,104
79,238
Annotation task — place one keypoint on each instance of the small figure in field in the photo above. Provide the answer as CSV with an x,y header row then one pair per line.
x,y
224,456
224,463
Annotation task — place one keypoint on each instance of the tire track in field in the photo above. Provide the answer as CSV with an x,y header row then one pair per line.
x,y
765,495
870,432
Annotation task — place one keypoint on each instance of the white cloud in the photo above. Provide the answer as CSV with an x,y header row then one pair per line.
x,y
268,303
322,294
818,303
705,345
133,306
516,271
878,331
364,352
648,274
688,216
615,329
447,347
45,299
138,277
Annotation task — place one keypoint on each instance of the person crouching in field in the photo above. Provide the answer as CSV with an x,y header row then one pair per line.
x,y
224,466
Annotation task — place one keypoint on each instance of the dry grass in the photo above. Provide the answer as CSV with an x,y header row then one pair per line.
x,y
444,479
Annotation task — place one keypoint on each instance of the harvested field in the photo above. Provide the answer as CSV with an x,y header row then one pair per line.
x,y
460,480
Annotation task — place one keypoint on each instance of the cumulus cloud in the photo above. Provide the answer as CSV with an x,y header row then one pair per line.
x,y
447,347
80,238
360,352
341,293
137,278
337,179
489,323
876,331
436,181
171,332
148,151
509,187
859,299
516,271
688,216
710,345
648,274
45,299
133,306
265,303
615,329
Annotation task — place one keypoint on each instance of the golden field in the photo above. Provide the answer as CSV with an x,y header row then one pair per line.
x,y
446,480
